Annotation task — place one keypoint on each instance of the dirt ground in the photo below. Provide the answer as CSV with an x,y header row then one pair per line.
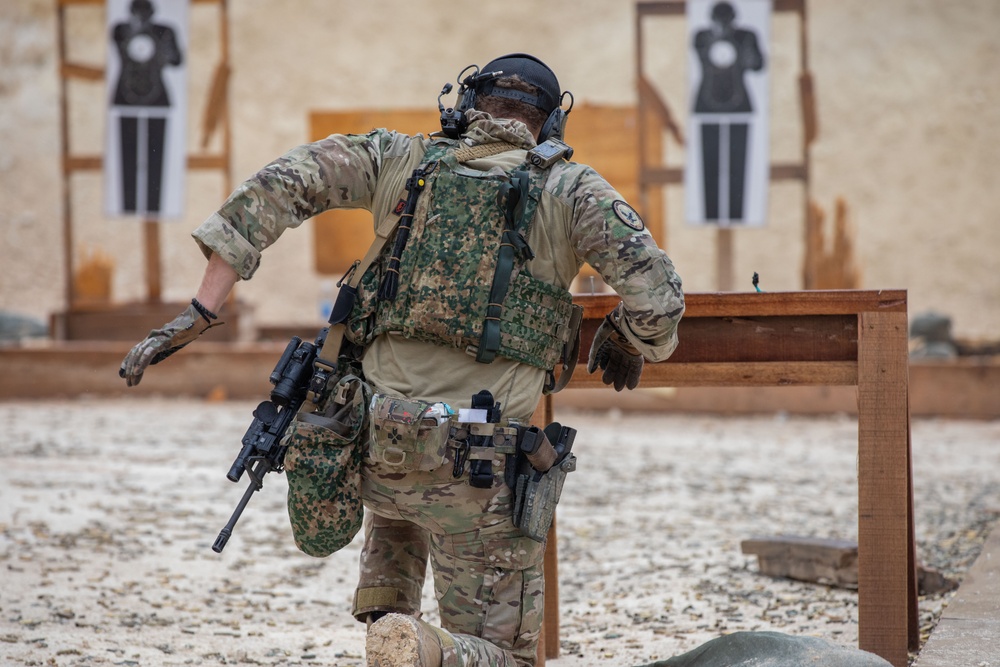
x,y
109,508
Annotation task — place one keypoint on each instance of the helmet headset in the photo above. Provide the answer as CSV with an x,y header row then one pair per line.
x,y
483,83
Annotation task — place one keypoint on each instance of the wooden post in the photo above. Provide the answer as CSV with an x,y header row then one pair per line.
x,y
548,639
151,243
724,259
67,218
810,124
886,580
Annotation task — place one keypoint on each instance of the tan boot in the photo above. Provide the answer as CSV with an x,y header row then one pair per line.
x,y
397,640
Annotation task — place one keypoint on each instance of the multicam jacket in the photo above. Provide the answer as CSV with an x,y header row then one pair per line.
x,y
579,218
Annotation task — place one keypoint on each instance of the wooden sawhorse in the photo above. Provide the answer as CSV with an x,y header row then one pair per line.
x,y
838,337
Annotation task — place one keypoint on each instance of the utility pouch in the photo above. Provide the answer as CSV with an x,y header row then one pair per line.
x,y
408,435
537,492
323,464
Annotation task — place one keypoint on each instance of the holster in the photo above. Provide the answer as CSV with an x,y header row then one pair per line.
x,y
537,476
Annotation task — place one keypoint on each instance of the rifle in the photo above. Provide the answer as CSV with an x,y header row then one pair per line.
x,y
262,450
302,372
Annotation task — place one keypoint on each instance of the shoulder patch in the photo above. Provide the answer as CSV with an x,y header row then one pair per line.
x,y
628,215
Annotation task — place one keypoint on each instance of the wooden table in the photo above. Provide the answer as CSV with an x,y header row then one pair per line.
x,y
838,337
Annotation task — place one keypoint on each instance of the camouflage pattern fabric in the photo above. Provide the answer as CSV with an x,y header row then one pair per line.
x,y
408,435
488,577
393,567
447,270
324,506
580,218
323,466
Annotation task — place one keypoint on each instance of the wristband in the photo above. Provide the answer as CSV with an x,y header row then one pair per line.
x,y
203,311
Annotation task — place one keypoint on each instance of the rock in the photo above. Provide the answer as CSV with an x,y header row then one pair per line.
x,y
832,562
930,337
772,649
932,327
828,561
14,327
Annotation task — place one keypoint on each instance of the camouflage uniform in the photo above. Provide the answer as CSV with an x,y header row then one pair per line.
x,y
487,576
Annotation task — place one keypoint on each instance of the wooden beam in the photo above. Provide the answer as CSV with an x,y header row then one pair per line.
x,y
887,578
215,109
755,339
66,3
77,71
82,163
678,7
668,8
96,162
766,374
207,162
745,304
675,175
661,176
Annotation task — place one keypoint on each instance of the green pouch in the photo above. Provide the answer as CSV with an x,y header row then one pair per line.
x,y
408,435
323,464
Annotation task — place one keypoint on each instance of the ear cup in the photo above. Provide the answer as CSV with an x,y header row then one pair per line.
x,y
468,100
554,126
453,122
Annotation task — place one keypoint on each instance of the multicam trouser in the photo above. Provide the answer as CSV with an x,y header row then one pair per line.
x,y
488,576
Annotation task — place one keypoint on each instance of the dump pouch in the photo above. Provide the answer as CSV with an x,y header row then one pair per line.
x,y
323,464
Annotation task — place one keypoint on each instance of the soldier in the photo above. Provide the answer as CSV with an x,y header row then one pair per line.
x,y
469,303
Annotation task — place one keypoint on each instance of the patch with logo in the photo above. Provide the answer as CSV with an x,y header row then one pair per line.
x,y
400,207
628,215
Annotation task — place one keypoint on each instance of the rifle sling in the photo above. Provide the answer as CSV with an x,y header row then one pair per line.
x,y
326,357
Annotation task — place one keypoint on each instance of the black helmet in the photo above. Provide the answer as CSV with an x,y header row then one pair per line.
x,y
529,68
482,83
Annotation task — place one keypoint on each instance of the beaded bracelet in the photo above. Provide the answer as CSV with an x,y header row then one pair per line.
x,y
203,311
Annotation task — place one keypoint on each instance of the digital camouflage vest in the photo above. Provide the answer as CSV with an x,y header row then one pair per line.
x,y
462,281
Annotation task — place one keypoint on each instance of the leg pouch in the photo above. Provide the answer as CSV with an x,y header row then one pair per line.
x,y
323,464
408,435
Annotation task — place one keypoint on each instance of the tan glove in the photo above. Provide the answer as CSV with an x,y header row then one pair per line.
x,y
161,343
614,354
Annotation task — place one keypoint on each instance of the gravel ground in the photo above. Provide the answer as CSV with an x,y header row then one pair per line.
x,y
108,510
